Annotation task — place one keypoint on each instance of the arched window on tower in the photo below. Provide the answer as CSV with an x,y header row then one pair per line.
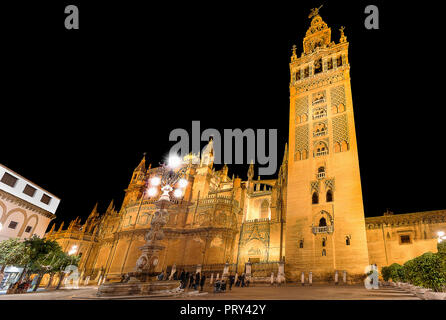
x,y
322,222
321,172
301,244
329,196
324,253
315,198
323,242
347,240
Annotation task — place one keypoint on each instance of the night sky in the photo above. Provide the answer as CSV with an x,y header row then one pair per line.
x,y
80,107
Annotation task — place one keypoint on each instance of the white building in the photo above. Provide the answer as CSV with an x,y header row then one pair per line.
x,y
25,208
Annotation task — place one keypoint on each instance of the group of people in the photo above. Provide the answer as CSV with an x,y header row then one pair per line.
x,y
197,280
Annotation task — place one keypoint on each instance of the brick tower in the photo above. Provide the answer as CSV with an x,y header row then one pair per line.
x,y
325,229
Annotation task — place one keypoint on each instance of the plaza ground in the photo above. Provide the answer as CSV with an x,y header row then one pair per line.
x,y
289,292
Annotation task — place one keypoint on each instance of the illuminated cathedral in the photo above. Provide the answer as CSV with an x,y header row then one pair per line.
x,y
311,218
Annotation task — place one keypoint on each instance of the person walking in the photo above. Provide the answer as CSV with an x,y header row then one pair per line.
x,y
242,280
231,281
182,279
197,280
202,281
191,280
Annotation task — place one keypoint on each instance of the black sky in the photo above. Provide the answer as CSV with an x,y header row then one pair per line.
x,y
80,107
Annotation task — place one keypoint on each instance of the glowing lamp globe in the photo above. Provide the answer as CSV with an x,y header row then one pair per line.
x,y
152,192
178,193
174,161
440,233
155,181
182,183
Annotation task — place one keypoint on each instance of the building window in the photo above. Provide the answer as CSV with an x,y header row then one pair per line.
x,y
329,64
323,242
347,240
321,172
329,196
318,66
315,198
28,229
322,222
13,225
404,239
306,72
297,75
339,61
301,244
30,191
9,180
324,253
45,199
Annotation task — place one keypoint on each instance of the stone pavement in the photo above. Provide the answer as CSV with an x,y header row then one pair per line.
x,y
290,292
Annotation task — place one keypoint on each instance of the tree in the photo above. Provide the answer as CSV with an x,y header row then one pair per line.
x,y
41,253
64,260
12,252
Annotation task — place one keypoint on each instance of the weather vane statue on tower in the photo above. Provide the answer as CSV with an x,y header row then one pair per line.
x,y
314,12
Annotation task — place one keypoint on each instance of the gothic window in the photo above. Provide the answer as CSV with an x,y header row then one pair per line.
x,y
425,235
315,198
264,209
329,196
318,66
323,242
339,61
344,146
301,244
347,240
341,108
321,172
306,72
388,235
304,154
322,222
297,75
329,64
324,253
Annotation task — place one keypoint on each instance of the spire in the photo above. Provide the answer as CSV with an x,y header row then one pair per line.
x,y
251,170
285,154
61,226
52,228
94,212
142,164
111,206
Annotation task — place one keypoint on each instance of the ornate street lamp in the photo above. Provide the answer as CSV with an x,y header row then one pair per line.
x,y
441,236
170,181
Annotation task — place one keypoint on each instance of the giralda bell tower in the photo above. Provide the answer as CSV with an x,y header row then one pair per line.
x,y
325,230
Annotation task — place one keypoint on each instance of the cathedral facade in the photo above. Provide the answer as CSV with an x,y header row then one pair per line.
x,y
311,218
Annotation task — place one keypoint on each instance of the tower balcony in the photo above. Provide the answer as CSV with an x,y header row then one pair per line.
x,y
325,229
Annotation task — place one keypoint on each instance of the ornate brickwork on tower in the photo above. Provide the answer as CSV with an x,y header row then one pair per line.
x,y
325,216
